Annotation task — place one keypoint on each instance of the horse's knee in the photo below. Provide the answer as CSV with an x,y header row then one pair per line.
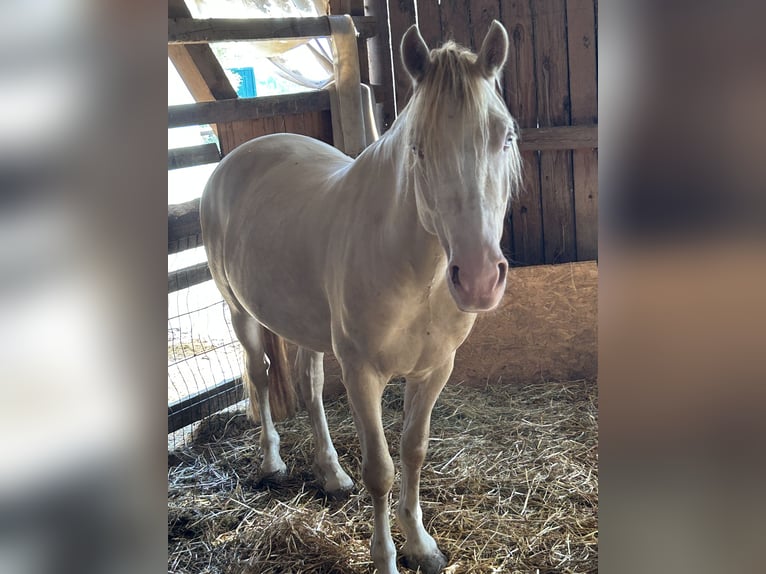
x,y
413,455
378,476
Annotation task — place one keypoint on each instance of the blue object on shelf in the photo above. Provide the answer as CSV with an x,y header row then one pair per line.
x,y
246,87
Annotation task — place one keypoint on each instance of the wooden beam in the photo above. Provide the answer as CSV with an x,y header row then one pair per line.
x,y
559,138
198,31
184,231
200,405
247,108
194,155
188,277
198,67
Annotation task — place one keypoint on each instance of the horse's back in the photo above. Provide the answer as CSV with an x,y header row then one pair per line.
x,y
242,173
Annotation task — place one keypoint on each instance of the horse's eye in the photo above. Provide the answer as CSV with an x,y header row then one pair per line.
x,y
417,151
508,141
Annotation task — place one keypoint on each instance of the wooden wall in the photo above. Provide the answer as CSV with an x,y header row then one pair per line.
x,y
550,80
314,124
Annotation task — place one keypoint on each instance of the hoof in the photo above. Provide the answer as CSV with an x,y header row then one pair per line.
x,y
275,477
431,564
337,487
339,493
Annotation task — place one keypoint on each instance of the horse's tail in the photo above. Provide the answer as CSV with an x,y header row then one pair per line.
x,y
282,397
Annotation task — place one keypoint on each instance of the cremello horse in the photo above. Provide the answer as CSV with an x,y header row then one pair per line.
x,y
383,260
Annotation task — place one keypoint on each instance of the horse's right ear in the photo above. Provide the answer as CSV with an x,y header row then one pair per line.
x,y
415,53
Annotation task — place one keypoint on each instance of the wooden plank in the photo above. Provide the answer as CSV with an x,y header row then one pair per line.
x,y
583,90
556,188
559,138
456,22
201,72
203,404
247,108
188,277
198,67
526,226
356,9
401,14
482,14
381,63
184,230
520,90
585,168
204,31
323,125
429,22
194,155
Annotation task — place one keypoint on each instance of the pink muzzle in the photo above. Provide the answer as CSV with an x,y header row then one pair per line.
x,y
477,284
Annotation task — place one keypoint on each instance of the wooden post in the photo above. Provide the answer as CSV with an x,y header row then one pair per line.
x,y
556,188
583,90
525,225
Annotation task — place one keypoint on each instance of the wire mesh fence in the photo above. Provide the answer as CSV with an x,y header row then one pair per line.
x,y
204,356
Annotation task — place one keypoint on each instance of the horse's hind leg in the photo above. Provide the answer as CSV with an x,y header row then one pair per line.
x,y
256,381
310,370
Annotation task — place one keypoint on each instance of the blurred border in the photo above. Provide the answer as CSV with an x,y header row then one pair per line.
x,y
82,286
682,284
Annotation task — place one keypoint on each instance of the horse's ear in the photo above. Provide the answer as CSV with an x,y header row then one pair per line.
x,y
415,53
494,50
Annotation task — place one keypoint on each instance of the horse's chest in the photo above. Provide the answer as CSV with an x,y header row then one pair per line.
x,y
422,340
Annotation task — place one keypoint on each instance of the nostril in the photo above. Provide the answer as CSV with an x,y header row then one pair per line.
x,y
502,268
454,275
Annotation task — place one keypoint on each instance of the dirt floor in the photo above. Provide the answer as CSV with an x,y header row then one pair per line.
x,y
510,484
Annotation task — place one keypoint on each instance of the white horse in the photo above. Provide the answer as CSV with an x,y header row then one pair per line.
x,y
383,260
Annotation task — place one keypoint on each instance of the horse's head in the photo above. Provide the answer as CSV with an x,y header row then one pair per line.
x,y
465,160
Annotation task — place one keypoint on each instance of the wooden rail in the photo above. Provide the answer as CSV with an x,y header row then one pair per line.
x,y
223,111
247,108
203,404
194,155
199,31
184,230
188,277
559,138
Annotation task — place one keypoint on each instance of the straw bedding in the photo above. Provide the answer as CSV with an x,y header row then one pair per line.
x,y
509,485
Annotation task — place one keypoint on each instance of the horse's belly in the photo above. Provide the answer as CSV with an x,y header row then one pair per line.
x,y
299,315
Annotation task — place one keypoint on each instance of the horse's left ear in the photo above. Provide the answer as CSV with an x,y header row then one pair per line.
x,y
494,50
415,54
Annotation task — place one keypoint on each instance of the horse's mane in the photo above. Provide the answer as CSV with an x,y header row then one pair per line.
x,y
453,96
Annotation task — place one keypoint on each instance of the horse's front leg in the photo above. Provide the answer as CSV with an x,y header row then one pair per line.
x,y
365,389
420,549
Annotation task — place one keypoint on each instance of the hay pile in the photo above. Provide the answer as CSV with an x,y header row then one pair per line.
x,y
509,485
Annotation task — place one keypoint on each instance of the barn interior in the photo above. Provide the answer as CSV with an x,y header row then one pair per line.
x,y
510,482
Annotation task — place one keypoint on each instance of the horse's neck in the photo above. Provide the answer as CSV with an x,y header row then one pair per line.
x,y
402,231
